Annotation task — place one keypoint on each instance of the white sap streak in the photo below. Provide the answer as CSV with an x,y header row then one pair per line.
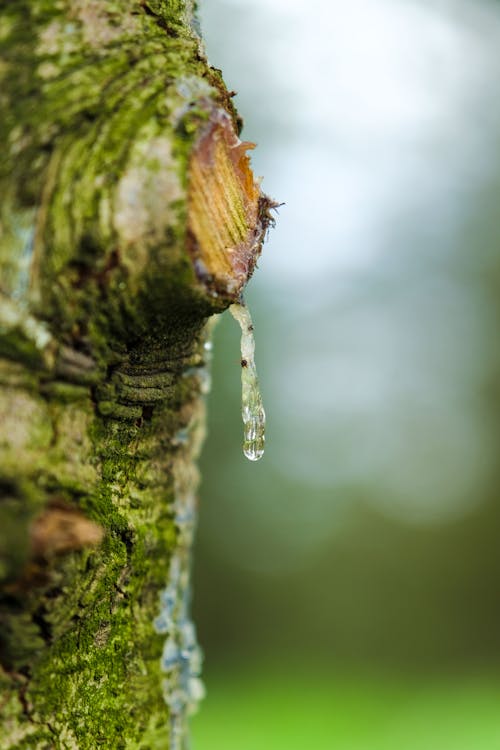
x,y
252,410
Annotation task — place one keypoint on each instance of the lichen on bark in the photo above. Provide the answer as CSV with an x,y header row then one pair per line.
x,y
106,285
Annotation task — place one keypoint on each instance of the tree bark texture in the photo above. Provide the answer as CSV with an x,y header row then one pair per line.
x,y
129,216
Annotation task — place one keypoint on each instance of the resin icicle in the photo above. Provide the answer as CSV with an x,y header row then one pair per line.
x,y
252,410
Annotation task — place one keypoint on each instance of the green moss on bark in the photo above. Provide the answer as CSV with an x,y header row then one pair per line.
x,y
78,629
101,320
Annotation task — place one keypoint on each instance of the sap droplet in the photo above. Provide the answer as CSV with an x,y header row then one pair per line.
x,y
170,654
196,693
252,410
162,623
176,701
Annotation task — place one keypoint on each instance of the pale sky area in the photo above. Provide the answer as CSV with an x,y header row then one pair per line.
x,y
353,102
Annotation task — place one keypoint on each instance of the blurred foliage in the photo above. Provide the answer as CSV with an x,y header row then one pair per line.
x,y
371,589
366,540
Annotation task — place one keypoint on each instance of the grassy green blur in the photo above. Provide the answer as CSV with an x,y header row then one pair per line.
x,y
266,709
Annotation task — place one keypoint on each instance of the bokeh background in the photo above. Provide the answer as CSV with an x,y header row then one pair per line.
x,y
347,587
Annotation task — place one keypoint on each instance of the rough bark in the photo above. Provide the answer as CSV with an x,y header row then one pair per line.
x,y
128,217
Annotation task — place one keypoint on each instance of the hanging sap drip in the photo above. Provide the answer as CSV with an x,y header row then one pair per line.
x,y
252,410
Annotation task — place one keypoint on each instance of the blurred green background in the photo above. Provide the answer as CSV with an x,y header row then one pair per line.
x,y
347,587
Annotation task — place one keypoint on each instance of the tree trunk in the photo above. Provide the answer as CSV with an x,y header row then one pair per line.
x,y
129,216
